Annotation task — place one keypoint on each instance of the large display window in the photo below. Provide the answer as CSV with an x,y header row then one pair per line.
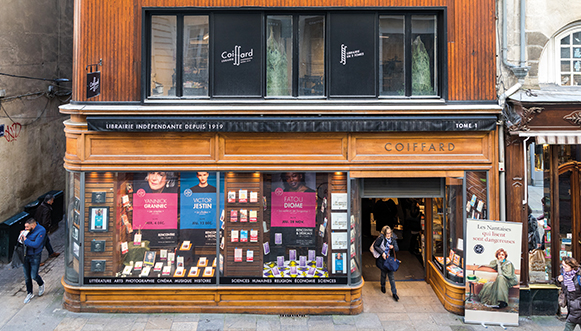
x,y
205,227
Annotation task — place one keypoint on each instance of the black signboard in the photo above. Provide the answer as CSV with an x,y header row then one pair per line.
x,y
148,281
237,54
93,84
352,54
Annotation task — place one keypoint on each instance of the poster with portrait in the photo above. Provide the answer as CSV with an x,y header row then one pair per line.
x,y
492,277
155,207
293,200
198,207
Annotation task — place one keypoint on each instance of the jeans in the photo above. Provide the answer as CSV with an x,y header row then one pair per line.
x,y
48,245
30,266
570,326
391,280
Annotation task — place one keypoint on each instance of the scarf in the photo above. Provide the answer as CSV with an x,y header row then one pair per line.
x,y
387,246
568,280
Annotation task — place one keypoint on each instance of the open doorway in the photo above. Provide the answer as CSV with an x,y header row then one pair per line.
x,y
406,217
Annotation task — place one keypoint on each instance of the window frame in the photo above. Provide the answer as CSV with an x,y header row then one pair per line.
x,y
440,50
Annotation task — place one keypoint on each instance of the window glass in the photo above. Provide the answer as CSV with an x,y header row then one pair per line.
x,y
355,238
279,55
195,67
311,55
577,38
73,227
163,56
454,230
566,40
424,55
437,232
391,55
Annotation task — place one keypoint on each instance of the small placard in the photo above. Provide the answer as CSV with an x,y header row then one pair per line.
x,y
97,245
98,265
99,197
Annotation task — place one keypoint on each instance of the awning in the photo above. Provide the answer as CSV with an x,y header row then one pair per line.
x,y
291,123
554,137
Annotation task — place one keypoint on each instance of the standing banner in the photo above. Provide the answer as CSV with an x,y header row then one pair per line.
x,y
198,207
493,251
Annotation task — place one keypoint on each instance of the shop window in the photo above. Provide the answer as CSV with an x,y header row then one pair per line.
x,y
74,203
570,57
198,227
292,55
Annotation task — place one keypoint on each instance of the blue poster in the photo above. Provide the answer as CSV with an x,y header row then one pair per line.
x,y
198,200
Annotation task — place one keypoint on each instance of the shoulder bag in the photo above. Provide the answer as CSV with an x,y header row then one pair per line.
x,y
374,252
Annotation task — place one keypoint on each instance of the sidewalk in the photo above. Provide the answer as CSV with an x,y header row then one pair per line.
x,y
418,309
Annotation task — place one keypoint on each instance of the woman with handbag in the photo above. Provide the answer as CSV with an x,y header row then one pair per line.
x,y
569,279
386,245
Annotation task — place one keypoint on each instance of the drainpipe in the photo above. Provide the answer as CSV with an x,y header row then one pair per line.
x,y
525,199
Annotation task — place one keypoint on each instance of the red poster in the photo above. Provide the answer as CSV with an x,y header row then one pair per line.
x,y
294,209
155,211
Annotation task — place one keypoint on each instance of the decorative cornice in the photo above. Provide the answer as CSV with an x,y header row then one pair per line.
x,y
526,117
574,117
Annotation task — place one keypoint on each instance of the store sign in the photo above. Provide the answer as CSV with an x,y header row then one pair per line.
x,y
291,124
493,251
93,84
282,281
147,281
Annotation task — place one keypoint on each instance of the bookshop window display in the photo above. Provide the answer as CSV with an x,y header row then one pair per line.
x,y
448,221
212,228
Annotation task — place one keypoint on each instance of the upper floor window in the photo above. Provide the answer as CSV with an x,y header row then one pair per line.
x,y
293,55
570,56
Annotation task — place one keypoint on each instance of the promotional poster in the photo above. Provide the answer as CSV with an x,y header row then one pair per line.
x,y
294,203
155,207
198,207
493,251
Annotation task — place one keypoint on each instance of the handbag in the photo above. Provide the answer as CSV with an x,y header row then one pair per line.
x,y
391,263
562,299
374,252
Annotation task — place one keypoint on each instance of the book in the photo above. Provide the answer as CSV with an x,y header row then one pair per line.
x,y
242,196
202,262
275,271
186,245
158,266
253,236
214,263
243,236
293,271
166,270
280,261
138,265
231,196
180,262
324,249
171,257
302,261
253,197
163,254
292,254
237,254
194,272
137,239
278,238
243,215
353,265
125,200
233,215
127,270
149,258
180,272
234,236
311,254
124,247
208,272
253,215
311,271
266,247
319,263
352,250
249,256
145,271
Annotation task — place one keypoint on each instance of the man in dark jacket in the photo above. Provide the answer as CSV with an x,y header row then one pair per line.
x,y
33,238
43,216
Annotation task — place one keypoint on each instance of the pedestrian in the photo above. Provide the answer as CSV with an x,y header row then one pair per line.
x,y
32,237
386,244
569,279
43,216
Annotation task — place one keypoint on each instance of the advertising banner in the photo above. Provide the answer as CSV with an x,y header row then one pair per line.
x,y
155,207
493,251
295,203
198,200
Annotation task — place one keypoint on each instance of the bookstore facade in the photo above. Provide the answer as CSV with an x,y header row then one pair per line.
x,y
221,164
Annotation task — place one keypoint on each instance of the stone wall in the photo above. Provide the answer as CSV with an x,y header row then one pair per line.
x,y
36,39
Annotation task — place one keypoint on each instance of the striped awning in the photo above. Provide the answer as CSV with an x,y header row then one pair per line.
x,y
554,137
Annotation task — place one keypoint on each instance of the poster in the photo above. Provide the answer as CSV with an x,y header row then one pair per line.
x,y
155,210
198,200
294,202
493,251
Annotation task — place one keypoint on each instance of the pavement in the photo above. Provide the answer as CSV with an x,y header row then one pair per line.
x,y
417,309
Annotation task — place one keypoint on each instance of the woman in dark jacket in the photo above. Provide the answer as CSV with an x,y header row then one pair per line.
x,y
569,280
386,245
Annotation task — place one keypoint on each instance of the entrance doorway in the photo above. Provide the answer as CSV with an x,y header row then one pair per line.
x,y
406,217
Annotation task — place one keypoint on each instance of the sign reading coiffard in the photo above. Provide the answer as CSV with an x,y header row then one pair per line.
x,y
238,46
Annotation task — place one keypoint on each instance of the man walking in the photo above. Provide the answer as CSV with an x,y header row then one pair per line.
x,y
33,238
43,216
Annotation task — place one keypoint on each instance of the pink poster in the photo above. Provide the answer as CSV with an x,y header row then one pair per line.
x,y
293,209
155,211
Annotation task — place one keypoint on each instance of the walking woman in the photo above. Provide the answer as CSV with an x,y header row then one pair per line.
x,y
569,279
386,245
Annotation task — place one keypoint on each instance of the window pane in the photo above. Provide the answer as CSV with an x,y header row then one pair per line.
x,y
423,55
577,52
391,55
437,229
566,40
577,66
576,79
163,56
196,40
455,230
565,79
311,55
565,66
577,38
279,55
565,52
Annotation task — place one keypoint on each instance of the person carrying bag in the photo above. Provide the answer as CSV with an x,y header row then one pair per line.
x,y
383,250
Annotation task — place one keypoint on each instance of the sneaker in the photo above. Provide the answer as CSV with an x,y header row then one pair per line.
x,y
29,297
41,290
